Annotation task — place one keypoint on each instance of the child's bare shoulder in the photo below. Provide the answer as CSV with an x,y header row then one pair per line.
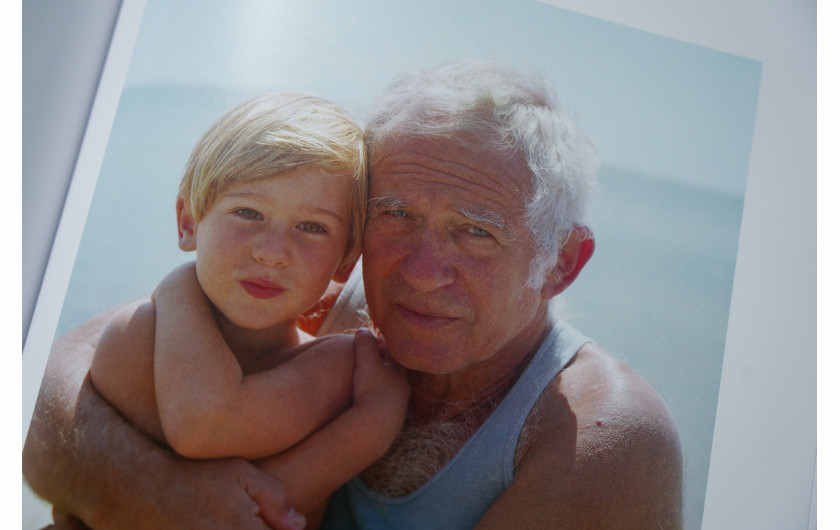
x,y
131,332
335,340
330,352
123,364
134,321
337,344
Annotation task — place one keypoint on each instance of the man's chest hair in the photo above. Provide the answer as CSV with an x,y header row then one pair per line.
x,y
423,449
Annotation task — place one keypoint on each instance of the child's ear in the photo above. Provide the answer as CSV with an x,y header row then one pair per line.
x,y
186,225
573,256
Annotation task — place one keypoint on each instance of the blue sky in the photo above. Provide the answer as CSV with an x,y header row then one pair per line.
x,y
651,104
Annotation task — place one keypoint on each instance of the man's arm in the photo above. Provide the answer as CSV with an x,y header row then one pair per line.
x,y
604,453
82,456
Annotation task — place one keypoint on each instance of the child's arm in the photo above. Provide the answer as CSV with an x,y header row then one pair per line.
x,y
122,369
312,470
88,460
209,408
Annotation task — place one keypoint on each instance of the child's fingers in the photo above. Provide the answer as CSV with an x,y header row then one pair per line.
x,y
367,349
378,380
369,355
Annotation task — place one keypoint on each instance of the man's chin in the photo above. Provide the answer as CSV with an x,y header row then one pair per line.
x,y
428,358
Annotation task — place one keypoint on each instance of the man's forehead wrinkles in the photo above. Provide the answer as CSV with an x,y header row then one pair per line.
x,y
474,213
395,182
456,173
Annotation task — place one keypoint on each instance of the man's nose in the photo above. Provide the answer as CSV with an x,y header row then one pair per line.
x,y
272,249
428,266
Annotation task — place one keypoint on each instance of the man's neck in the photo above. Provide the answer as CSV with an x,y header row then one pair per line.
x,y
444,412
439,397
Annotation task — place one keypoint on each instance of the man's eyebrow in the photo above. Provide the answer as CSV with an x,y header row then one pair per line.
x,y
485,217
385,202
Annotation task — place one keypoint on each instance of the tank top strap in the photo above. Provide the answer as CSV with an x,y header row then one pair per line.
x,y
558,348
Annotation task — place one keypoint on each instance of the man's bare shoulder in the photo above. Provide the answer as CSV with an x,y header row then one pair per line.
x,y
605,443
607,396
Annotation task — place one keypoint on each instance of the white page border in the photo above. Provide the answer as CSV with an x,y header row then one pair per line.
x,y
71,225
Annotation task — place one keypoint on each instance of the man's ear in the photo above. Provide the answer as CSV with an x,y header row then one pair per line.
x,y
573,256
187,225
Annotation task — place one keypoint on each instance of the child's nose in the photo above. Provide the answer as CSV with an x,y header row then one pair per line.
x,y
272,250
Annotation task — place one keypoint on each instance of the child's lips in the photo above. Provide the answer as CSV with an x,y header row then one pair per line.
x,y
262,289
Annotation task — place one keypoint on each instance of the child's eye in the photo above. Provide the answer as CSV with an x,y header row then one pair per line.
x,y
248,213
312,227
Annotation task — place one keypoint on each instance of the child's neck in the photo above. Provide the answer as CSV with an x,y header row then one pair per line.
x,y
260,349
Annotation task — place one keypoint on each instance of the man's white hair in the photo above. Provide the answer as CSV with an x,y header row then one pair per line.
x,y
510,112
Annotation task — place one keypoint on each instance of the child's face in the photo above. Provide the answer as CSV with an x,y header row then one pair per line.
x,y
266,250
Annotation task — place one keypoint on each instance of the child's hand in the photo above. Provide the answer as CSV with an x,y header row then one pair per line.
x,y
379,384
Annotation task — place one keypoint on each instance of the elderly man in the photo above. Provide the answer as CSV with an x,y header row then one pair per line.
x,y
477,188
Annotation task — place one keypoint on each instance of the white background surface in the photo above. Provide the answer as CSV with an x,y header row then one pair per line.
x,y
762,468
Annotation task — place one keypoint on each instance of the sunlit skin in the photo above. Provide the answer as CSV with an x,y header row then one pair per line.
x,y
267,250
447,256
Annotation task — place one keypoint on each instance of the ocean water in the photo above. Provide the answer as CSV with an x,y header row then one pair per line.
x,y
655,294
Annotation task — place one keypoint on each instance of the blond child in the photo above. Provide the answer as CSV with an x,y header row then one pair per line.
x,y
272,201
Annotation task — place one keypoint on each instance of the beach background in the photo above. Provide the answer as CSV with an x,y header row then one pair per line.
x,y
673,124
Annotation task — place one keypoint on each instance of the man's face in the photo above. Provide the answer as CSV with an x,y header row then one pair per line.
x,y
447,254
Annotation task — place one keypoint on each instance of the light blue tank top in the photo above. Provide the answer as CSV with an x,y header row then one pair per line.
x,y
465,488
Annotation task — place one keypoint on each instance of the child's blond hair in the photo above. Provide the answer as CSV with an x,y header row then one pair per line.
x,y
273,134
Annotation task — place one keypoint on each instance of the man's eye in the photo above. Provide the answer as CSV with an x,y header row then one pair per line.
x,y
248,213
312,227
399,214
476,231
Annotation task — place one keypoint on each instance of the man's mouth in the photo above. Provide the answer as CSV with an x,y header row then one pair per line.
x,y
262,289
425,318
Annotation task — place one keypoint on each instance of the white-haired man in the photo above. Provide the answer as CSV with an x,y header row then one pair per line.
x,y
477,189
